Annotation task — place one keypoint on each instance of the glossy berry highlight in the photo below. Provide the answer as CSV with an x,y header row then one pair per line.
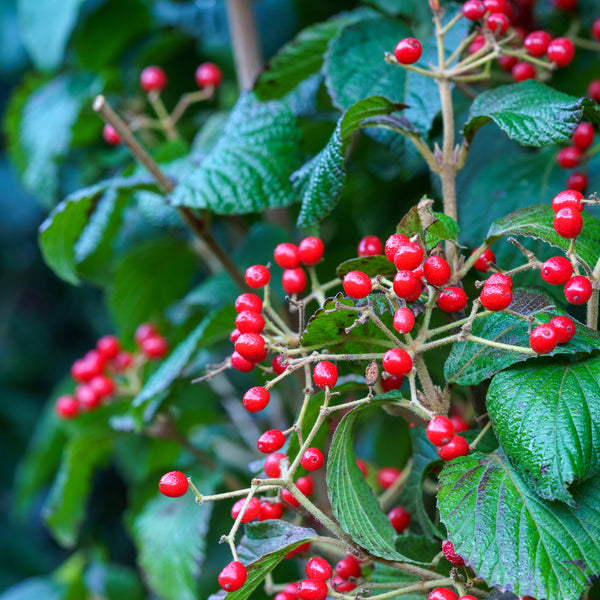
x,y
173,484
408,51
325,374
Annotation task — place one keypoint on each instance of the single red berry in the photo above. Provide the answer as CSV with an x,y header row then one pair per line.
x,y
270,511
122,361
66,407
451,556
318,568
452,299
144,331
357,284
578,290
568,199
386,476
291,588
522,71
569,157
256,399
233,576
566,5
392,244
501,279
251,346
312,589
406,284
408,51
252,509
341,586
294,281
477,44
103,386
270,441
257,276
440,431
404,320
568,222
507,63
348,567
249,322
565,328
287,497
234,335
442,594
593,90
557,270
84,369
325,374
279,365
287,255
248,301
208,75
155,347
457,446
271,467
312,459
306,485
543,339
583,136
173,484
578,181
486,259
595,31
436,270
536,43
370,245
239,363
473,9
311,250
108,346
498,24
399,518
459,424
362,466
87,398
397,362
495,296
391,382
153,79
408,256
561,51
110,136
495,6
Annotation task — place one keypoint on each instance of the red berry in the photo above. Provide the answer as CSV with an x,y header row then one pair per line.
x,y
578,290
239,363
467,597
557,270
386,476
318,568
593,90
271,466
306,485
566,5
293,281
370,245
477,44
251,346
399,518
110,136
543,339
440,430
507,63
357,284
325,374
362,466
498,24
66,407
486,259
436,270
249,322
561,51
495,6
173,484
311,250
155,347
270,511
565,328
569,157
499,278
473,9
404,320
252,509
287,497
84,369
583,136
442,594
287,255
312,459
397,362
270,441
257,276
341,586
279,365
451,556
153,79
452,299
495,296
390,382
208,75
459,424
144,331
103,386
248,301
408,256
122,361
536,43
233,576
108,346
568,199
458,446
256,399
392,244
291,588
312,589
87,398
568,222
408,51
348,567
578,181
522,71
406,284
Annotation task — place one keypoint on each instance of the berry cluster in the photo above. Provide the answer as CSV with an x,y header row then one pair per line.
x,y
573,156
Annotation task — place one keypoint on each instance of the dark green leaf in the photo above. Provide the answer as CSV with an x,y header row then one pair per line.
x,y
512,538
65,507
547,418
114,582
416,10
530,112
387,574
472,362
371,265
248,169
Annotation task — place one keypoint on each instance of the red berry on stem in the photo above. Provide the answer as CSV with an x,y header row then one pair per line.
x,y
270,511
153,79
271,467
83,370
408,256
87,398
251,346
568,199
583,136
108,346
406,284
498,24
557,270
561,51
459,423
348,567
312,459
486,259
325,374
155,347
568,222
249,322
173,484
110,136
536,43
507,63
399,518
318,568
404,320
499,278
386,476
522,71
408,51
294,281
578,181
565,328
305,484
391,382
442,594
392,244
451,556
311,250
495,296
357,284
239,363
248,301
233,576
495,6
256,399
457,446
473,9
312,589
436,270
270,441
122,362
279,365
341,586
593,90
477,44
543,339
257,276
144,331
397,362
569,157
452,299
287,255
251,512
208,74
103,386
370,245
578,290
596,29
440,430
66,407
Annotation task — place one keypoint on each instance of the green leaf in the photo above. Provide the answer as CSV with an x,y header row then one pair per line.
x,y
513,539
248,169
417,10
35,588
114,581
386,574
537,222
531,113
471,362
45,27
65,508
371,265
547,419
437,226
170,537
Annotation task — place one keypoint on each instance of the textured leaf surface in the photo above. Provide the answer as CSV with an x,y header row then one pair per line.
x,y
512,538
471,362
530,112
547,418
248,169
371,265
437,226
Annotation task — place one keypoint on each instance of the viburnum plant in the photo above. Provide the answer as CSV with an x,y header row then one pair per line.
x,y
483,363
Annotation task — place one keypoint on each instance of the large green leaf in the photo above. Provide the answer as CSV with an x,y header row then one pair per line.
x,y
248,169
65,507
371,265
547,418
437,226
472,362
530,112
512,538
35,588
